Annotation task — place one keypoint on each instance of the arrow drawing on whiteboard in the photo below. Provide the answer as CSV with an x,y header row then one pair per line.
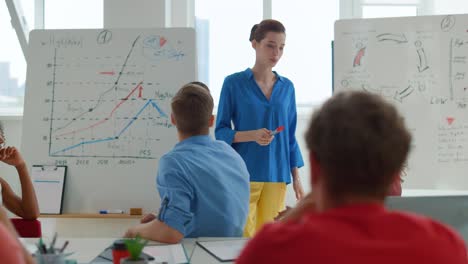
x,y
366,87
450,120
140,89
358,57
398,38
404,93
422,60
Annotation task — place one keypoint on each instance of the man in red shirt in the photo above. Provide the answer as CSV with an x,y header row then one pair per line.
x,y
357,146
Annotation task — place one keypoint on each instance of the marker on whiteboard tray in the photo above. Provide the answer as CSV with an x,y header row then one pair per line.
x,y
111,211
276,131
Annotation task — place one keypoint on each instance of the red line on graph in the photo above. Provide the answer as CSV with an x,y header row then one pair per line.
x,y
107,73
123,100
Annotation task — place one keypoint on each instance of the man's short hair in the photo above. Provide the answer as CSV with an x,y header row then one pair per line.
x,y
192,107
201,84
360,142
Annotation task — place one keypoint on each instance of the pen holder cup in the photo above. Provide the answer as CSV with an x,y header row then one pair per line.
x,y
51,258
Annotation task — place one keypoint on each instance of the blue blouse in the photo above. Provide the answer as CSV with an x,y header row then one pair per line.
x,y
243,104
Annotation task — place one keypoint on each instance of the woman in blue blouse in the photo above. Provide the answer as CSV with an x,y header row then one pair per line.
x,y
257,101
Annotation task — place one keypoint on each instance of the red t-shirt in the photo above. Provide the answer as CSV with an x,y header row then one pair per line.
x,y
356,234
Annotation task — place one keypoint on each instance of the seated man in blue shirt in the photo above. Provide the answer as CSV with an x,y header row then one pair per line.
x,y
203,183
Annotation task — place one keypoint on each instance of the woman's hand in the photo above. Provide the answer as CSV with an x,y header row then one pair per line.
x,y
297,186
262,136
11,156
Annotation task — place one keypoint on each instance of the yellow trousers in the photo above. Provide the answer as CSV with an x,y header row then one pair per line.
x,y
266,201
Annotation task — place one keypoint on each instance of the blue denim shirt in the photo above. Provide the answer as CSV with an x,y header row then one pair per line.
x,y
204,188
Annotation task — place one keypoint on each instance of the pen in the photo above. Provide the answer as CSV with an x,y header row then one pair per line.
x,y
111,211
42,247
51,248
64,246
276,131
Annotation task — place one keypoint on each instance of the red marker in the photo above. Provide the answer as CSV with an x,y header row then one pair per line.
x,y
276,131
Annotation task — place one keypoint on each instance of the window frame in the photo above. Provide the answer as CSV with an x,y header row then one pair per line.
x,y
353,8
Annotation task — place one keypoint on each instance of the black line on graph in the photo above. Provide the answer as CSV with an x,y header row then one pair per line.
x,y
99,101
52,101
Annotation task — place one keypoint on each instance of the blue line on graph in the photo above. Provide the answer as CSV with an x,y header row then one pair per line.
x,y
47,181
134,118
84,143
120,133
159,109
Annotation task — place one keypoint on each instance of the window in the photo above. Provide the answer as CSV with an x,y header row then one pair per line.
x,y
73,14
12,62
389,8
441,7
388,11
58,14
223,30
307,58
223,46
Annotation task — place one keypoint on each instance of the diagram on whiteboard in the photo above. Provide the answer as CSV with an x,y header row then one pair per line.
x,y
99,102
107,94
420,65
425,57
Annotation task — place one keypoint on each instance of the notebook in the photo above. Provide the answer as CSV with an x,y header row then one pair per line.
x,y
224,250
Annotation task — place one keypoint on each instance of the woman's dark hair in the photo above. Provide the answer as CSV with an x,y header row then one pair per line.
x,y
259,31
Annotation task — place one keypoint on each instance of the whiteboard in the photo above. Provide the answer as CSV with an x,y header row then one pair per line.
x,y
98,101
420,65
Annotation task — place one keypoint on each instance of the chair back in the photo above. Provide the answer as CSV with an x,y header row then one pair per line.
x,y
27,228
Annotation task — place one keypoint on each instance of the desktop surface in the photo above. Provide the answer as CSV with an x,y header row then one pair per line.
x,y
87,249
451,210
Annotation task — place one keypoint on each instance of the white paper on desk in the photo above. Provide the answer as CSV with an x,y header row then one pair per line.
x,y
225,250
172,254
48,184
30,247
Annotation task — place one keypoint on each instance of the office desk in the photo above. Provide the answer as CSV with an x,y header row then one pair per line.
x,y
86,249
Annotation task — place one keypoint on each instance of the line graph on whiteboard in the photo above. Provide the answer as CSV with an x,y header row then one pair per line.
x,y
111,104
